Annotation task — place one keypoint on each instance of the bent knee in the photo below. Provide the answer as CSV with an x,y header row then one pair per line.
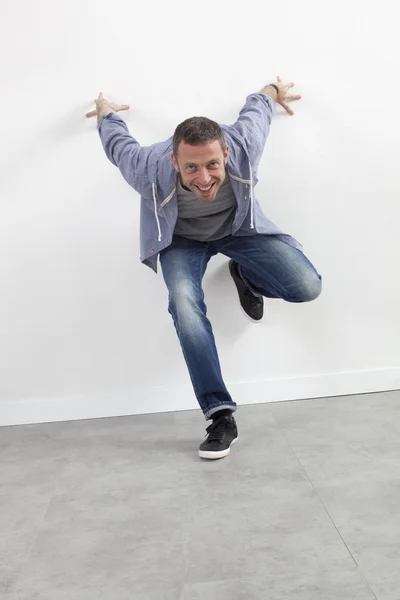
x,y
312,289
305,291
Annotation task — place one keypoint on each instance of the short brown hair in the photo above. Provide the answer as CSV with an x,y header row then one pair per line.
x,y
196,131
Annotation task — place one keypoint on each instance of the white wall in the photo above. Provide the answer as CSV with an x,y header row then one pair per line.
x,y
84,326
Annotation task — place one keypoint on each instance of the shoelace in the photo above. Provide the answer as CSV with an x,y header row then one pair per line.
x,y
217,430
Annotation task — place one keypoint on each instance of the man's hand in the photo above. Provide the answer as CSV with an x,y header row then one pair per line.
x,y
283,97
104,107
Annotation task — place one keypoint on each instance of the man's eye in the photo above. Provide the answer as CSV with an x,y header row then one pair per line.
x,y
213,164
190,167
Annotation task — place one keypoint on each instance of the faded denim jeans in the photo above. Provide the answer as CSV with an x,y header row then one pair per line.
x,y
271,267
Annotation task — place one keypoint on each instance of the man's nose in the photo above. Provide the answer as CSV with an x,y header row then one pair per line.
x,y
204,176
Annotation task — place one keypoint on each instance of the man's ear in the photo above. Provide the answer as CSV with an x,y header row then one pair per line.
x,y
226,154
174,162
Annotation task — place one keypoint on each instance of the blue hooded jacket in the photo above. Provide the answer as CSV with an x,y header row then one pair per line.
x,y
149,170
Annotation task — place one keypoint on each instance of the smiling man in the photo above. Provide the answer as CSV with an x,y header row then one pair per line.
x,y
197,200
206,202
201,164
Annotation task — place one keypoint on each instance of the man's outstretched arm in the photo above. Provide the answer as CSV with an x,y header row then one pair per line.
x,y
255,117
121,148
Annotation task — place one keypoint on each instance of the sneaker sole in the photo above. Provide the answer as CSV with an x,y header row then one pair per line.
x,y
251,318
216,455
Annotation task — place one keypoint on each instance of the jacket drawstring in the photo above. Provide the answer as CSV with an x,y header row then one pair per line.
x,y
155,212
251,199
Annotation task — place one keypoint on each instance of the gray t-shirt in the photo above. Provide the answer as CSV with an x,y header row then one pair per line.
x,y
206,221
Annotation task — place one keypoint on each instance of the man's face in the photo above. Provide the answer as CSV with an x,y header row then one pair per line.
x,y
201,168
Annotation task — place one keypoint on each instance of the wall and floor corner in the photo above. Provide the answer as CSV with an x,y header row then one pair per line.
x,y
84,327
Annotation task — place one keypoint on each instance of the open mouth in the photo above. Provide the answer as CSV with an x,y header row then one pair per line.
x,y
205,191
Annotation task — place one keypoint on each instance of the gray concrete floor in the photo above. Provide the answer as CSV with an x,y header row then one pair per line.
x,y
307,506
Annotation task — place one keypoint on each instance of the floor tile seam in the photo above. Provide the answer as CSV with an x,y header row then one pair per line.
x,y
247,577
358,567
327,512
251,578
312,486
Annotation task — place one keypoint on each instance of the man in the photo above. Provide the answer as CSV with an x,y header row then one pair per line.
x,y
197,199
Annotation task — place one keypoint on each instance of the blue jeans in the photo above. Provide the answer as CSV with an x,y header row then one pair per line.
x,y
271,267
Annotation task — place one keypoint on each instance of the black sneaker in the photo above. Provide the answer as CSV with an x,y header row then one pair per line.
x,y
252,305
222,433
